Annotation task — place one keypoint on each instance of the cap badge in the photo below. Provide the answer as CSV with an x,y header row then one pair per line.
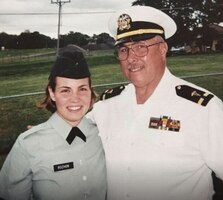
x,y
124,21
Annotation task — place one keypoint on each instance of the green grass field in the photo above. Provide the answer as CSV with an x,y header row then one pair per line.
x,y
26,76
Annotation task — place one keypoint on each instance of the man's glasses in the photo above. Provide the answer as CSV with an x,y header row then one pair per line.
x,y
139,49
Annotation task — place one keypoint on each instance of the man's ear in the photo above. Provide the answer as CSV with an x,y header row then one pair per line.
x,y
163,48
51,93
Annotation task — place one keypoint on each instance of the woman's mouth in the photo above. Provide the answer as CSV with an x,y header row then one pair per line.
x,y
74,108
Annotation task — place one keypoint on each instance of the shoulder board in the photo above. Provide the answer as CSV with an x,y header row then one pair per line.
x,y
193,94
32,130
112,92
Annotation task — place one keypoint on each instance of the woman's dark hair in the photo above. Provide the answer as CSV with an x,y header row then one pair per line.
x,y
50,105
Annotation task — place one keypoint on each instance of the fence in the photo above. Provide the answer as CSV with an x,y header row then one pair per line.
x,y
106,85
4,58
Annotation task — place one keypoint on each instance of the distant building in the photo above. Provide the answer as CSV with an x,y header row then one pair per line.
x,y
217,40
209,40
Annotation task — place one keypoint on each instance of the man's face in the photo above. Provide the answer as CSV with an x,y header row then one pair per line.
x,y
144,64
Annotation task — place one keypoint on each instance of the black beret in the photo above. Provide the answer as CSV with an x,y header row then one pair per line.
x,y
70,64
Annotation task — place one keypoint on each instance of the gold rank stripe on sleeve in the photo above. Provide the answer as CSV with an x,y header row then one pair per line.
x,y
193,94
164,123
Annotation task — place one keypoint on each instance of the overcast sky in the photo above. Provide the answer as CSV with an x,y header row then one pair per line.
x,y
16,16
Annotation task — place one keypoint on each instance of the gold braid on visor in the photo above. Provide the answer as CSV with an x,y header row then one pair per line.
x,y
137,32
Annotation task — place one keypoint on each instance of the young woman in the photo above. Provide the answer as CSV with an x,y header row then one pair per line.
x,y
62,158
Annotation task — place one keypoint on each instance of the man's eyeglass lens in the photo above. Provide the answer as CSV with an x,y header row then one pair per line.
x,y
139,49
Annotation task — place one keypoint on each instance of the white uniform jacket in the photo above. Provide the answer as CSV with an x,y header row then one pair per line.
x,y
42,165
164,149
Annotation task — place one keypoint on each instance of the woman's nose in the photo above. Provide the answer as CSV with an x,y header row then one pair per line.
x,y
74,96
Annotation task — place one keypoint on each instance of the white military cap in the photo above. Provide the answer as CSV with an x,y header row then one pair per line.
x,y
139,23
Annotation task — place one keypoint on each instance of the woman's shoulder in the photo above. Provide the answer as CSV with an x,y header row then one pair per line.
x,y
33,130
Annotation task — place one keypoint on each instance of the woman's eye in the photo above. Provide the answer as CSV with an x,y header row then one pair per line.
x,y
83,89
65,91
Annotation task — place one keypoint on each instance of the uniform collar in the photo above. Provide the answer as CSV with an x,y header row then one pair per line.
x,y
161,91
165,84
63,128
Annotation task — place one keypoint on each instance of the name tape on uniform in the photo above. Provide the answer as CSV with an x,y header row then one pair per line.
x,y
63,166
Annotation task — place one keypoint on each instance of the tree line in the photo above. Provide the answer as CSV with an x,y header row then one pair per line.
x,y
35,40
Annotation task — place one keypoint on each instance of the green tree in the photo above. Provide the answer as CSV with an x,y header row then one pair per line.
x,y
28,40
7,41
189,15
76,38
103,38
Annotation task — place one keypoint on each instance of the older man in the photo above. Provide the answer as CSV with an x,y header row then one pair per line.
x,y
162,136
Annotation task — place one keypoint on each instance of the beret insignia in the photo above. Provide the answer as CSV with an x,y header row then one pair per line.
x,y
193,94
112,92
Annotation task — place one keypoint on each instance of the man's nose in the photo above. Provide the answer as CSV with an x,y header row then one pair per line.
x,y
131,55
